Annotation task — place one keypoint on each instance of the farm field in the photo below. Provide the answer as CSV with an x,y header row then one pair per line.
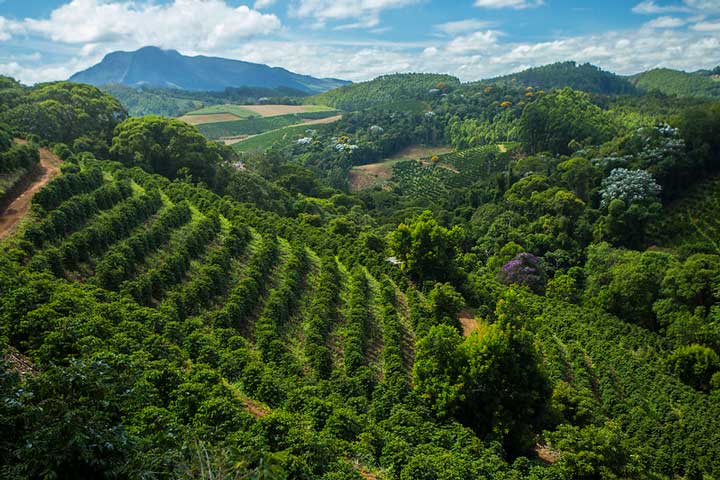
x,y
256,125
209,118
232,123
267,139
377,174
230,112
273,110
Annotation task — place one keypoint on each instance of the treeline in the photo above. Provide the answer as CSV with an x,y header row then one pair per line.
x,y
386,89
174,103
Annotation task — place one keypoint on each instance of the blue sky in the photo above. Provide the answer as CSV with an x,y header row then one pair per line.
x,y
360,39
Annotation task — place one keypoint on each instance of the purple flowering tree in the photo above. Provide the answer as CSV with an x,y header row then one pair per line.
x,y
525,269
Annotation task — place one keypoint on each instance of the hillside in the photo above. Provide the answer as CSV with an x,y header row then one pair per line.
x,y
529,291
675,82
151,66
387,89
584,77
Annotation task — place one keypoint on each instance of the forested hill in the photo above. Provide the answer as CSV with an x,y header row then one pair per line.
x,y
387,89
674,82
155,67
584,77
528,290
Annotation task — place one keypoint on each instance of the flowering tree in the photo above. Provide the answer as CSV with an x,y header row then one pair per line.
x,y
629,186
525,269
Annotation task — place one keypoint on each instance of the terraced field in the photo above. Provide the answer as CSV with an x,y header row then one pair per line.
x,y
150,241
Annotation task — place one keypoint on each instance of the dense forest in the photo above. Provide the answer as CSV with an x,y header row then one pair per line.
x,y
541,301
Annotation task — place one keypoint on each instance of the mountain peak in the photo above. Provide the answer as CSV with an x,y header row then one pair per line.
x,y
154,66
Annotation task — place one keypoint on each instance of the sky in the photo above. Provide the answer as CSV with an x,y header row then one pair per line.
x,y
361,39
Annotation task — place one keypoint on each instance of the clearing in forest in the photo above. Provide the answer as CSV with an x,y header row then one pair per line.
x,y
468,321
18,208
378,174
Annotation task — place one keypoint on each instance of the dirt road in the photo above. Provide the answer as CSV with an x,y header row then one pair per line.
x,y
49,169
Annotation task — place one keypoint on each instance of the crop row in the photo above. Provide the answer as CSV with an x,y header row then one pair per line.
x,y
75,212
245,297
392,338
358,322
153,283
121,261
280,304
323,310
211,280
65,186
103,231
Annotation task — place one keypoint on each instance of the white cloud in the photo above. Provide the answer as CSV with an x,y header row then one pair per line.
x,y
476,42
462,26
516,4
366,12
707,26
704,6
665,22
650,7
263,4
189,24
4,33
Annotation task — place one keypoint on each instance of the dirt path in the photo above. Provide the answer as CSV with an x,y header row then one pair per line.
x,y
49,169
468,321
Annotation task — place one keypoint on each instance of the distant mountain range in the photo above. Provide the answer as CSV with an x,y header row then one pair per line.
x,y
155,67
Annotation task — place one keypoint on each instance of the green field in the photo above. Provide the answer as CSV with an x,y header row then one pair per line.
x,y
257,125
228,108
267,139
248,126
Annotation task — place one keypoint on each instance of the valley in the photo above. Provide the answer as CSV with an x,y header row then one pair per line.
x,y
409,277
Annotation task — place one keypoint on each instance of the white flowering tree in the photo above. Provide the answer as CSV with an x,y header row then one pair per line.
x,y
630,186
633,208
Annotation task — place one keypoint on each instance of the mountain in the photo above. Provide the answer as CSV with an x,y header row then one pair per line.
x,y
155,67
702,84
585,77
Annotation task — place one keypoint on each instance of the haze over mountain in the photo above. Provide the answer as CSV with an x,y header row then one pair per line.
x,y
168,68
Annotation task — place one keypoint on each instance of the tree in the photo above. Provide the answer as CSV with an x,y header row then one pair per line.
x,y
426,249
445,304
525,269
166,146
505,390
695,365
592,452
491,382
630,186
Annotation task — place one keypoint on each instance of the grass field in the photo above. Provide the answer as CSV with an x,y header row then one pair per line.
x,y
267,139
257,125
209,118
237,110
